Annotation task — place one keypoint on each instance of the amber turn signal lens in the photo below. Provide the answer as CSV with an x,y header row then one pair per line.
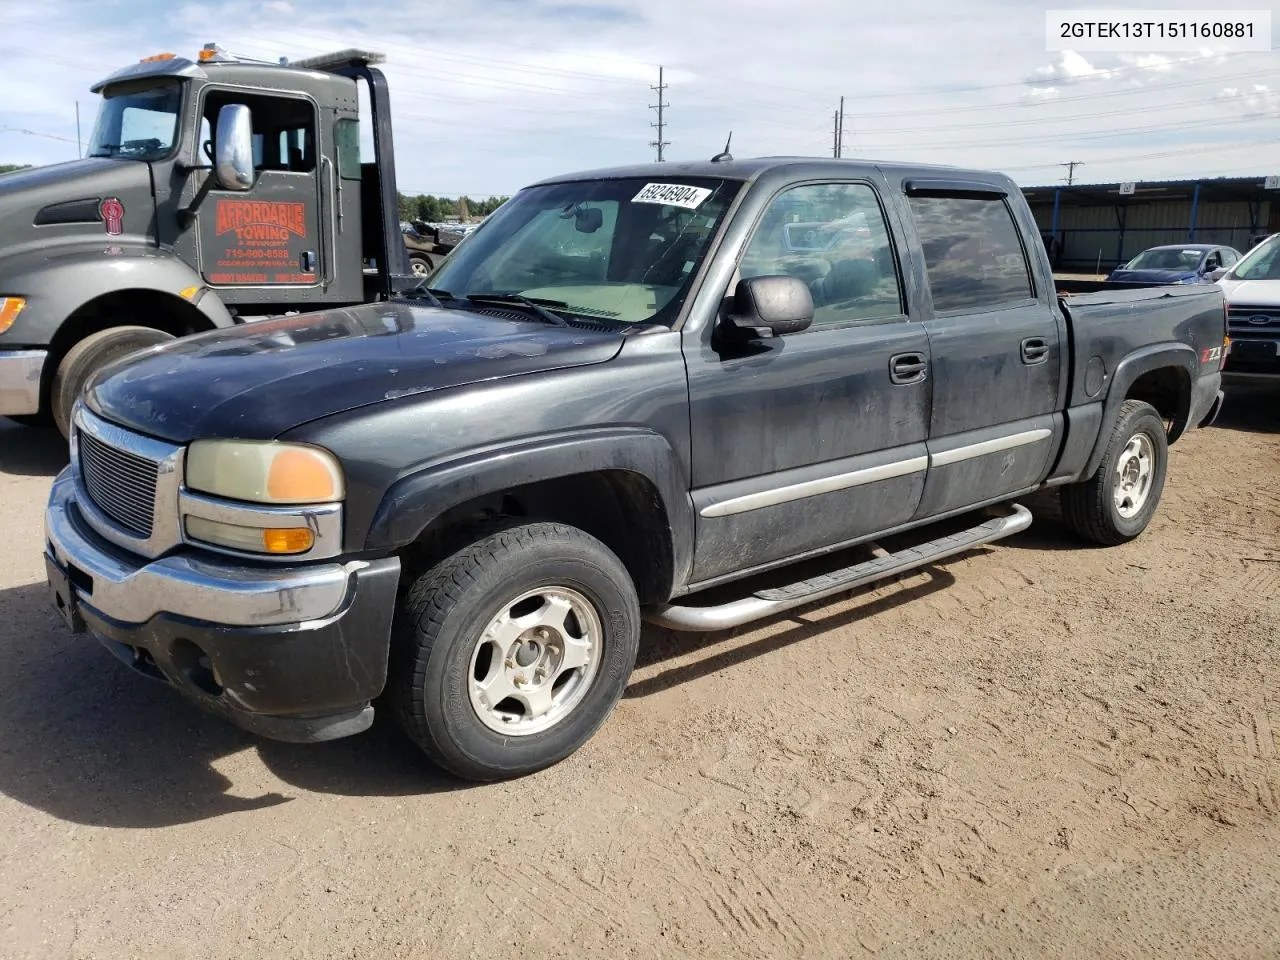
x,y
10,307
288,540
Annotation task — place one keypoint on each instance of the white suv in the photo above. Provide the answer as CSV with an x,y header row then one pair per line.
x,y
1252,289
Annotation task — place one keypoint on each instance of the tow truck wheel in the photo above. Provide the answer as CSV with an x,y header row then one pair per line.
x,y
511,653
1117,502
87,357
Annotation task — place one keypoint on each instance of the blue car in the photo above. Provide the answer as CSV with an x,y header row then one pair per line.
x,y
1178,263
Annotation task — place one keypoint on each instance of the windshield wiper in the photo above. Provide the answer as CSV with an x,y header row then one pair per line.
x,y
535,305
432,295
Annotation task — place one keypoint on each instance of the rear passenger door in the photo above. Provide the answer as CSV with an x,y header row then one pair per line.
x,y
995,347
804,441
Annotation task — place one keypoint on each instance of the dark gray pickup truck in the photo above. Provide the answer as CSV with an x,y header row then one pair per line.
x,y
627,387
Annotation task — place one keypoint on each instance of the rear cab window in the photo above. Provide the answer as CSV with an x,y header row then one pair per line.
x,y
973,252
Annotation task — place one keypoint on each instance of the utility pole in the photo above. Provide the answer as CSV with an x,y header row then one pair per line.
x,y
840,133
79,142
661,125
1071,169
835,133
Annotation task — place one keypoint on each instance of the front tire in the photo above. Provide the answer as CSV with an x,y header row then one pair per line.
x,y
1118,501
89,356
510,654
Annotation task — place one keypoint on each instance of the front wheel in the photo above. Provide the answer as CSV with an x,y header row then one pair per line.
x,y
88,357
1118,501
511,653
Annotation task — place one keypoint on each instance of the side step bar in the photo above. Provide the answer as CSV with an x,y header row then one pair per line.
x,y
764,603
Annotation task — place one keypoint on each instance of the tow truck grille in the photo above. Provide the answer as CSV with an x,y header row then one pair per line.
x,y
121,484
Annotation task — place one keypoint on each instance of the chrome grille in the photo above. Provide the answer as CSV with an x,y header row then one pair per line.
x,y
120,483
1254,322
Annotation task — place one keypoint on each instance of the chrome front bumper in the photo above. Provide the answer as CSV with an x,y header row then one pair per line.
x,y
131,589
20,378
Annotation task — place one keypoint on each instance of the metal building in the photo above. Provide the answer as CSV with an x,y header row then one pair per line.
x,y
1089,227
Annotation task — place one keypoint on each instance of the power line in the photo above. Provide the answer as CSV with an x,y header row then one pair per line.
x,y
661,124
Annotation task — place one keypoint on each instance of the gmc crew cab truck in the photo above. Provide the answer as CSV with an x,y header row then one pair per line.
x,y
627,387
212,190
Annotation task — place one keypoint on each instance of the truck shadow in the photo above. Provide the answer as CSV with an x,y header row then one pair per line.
x,y
30,452
659,645
89,742
1252,407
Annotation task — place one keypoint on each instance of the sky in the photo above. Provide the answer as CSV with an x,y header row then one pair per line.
x,y
489,95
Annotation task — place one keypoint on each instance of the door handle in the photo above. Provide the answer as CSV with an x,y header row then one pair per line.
x,y
907,368
1035,350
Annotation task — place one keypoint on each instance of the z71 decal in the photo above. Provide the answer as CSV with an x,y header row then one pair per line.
x,y
1209,354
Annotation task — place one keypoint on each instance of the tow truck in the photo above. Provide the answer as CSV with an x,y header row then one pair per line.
x,y
214,190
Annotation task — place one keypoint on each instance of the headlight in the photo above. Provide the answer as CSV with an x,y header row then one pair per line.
x,y
264,471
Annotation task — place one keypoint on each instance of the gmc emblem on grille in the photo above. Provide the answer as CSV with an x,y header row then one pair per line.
x,y
1258,319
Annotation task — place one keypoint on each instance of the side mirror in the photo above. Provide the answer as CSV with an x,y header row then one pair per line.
x,y
233,153
770,307
1216,274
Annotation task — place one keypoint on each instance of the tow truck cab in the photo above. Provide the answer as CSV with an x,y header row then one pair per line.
x,y
211,190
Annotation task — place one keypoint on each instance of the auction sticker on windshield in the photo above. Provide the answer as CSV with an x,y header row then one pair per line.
x,y
672,194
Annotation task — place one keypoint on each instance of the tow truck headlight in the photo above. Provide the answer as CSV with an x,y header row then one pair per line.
x,y
264,472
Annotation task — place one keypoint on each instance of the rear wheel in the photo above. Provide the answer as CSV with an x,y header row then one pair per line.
x,y
511,653
1118,501
421,265
88,357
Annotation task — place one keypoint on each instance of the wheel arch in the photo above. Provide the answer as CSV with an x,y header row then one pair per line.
x,y
1159,374
622,487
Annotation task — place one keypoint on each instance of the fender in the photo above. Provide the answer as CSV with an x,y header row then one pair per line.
x,y
58,286
414,501
1154,357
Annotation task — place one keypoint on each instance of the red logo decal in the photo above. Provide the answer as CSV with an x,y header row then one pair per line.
x,y
112,211
262,220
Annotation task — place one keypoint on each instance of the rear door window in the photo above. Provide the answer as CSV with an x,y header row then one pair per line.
x,y
972,252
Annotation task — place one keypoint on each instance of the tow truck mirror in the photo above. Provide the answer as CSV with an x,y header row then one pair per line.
x,y
770,307
233,152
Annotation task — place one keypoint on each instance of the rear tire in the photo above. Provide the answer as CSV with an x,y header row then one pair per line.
x,y
89,356
1118,501
420,266
509,655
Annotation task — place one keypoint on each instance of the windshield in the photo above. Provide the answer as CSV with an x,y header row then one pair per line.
x,y
138,123
1171,258
1260,263
616,250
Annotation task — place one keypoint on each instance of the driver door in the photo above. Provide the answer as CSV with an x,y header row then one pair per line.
x,y
807,440
267,236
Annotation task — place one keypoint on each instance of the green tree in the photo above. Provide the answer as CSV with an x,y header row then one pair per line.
x,y
11,167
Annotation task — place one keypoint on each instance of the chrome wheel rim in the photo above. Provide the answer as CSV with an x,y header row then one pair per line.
x,y
535,661
420,269
1133,475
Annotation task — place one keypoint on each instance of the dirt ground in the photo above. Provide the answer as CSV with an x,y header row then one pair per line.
x,y
1036,749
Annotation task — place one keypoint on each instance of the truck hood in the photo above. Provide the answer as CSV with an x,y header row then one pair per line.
x,y
264,378
67,198
1251,293
1153,276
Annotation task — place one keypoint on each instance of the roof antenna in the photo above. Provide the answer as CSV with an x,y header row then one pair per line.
x,y
725,155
